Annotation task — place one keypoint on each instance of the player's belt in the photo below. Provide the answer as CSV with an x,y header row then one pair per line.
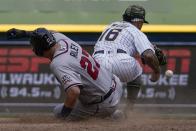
x,y
102,51
103,98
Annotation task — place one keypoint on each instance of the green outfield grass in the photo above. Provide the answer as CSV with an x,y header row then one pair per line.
x,y
93,11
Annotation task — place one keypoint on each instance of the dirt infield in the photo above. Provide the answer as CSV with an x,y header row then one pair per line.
x,y
134,122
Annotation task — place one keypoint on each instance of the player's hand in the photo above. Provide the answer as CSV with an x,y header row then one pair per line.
x,y
57,110
15,33
61,111
155,77
160,56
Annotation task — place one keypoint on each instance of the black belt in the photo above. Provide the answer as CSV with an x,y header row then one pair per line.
x,y
102,51
103,98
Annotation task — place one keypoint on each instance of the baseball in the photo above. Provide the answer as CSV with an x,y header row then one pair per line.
x,y
169,73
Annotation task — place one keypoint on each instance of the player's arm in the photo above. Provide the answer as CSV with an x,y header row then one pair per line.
x,y
14,33
149,58
72,94
17,33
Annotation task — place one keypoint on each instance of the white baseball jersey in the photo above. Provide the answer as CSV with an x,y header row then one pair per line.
x,y
74,66
126,37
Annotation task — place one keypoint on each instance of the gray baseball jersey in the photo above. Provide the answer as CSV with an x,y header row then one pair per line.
x,y
126,37
74,66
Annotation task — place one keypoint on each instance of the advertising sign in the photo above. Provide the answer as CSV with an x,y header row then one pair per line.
x,y
25,78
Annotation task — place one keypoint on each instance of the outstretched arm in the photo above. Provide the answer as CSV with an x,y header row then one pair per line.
x,y
17,33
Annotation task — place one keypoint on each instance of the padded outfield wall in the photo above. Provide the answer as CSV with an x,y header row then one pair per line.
x,y
27,83
93,11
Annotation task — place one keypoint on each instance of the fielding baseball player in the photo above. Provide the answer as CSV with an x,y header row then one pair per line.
x,y
90,90
118,45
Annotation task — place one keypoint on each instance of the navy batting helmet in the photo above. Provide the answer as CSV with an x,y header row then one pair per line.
x,y
134,13
41,40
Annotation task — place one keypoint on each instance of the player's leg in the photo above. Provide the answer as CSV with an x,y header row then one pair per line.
x,y
104,61
102,110
80,112
84,112
133,89
128,70
125,67
111,107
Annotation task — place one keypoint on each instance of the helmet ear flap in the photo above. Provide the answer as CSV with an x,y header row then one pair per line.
x,y
49,39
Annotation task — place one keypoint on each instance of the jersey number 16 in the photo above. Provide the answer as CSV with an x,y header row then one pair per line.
x,y
110,34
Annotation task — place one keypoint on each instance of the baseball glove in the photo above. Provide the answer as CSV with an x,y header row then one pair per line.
x,y
15,33
160,55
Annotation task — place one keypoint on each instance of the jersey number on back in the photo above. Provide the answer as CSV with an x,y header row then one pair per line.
x,y
88,63
110,34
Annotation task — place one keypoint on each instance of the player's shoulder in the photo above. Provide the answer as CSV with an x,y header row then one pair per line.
x,y
61,37
58,35
124,25
129,26
134,30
